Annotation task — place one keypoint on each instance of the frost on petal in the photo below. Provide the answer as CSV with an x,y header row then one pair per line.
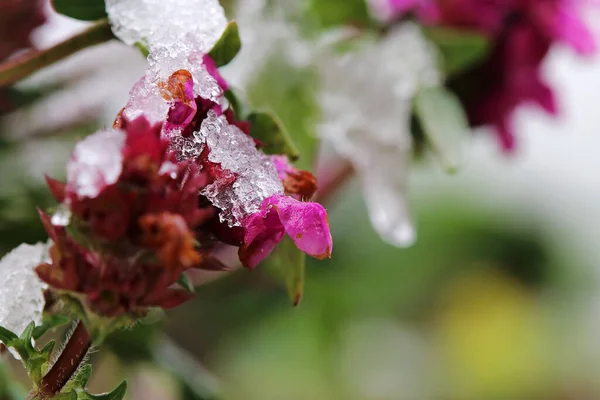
x,y
367,102
95,164
305,223
21,297
255,175
177,34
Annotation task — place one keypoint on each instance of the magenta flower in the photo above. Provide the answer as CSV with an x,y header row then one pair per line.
x,y
305,223
522,32
425,10
211,68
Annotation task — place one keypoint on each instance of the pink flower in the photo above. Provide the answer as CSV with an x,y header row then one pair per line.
x,y
18,18
426,10
305,223
522,32
212,69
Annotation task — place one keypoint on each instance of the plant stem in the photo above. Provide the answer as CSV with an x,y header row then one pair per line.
x,y
67,363
22,66
332,177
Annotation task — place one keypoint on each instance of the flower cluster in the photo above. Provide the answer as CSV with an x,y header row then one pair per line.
x,y
521,32
176,177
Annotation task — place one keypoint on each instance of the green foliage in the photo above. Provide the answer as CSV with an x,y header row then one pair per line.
x,y
290,93
288,263
49,322
75,390
185,282
9,387
143,49
443,124
35,361
235,103
228,45
332,13
85,10
459,49
267,128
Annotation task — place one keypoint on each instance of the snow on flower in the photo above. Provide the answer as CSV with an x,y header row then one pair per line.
x,y
367,103
21,292
177,176
178,34
90,170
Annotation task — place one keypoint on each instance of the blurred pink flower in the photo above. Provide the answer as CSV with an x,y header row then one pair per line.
x,y
17,19
522,32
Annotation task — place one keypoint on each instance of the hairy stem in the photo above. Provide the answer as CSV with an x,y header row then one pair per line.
x,y
22,66
67,363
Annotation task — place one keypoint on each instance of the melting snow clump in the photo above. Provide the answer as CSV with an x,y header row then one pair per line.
x,y
21,297
96,162
177,33
367,101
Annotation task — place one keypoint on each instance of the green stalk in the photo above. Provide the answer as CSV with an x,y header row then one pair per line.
x,y
22,66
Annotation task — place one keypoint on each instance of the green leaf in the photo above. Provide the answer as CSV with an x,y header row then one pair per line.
x,y
9,386
116,394
185,282
288,263
143,49
443,122
82,378
459,49
66,396
228,45
267,128
50,321
85,10
331,13
235,103
7,336
290,93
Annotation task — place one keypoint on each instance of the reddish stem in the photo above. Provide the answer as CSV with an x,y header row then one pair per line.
x,y
67,363
332,177
25,64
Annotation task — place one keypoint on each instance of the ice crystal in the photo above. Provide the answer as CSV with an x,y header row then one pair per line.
x,y
21,297
95,163
367,103
255,174
177,34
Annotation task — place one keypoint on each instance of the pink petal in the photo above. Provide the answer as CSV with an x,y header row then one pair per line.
x,y
212,69
262,231
305,223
